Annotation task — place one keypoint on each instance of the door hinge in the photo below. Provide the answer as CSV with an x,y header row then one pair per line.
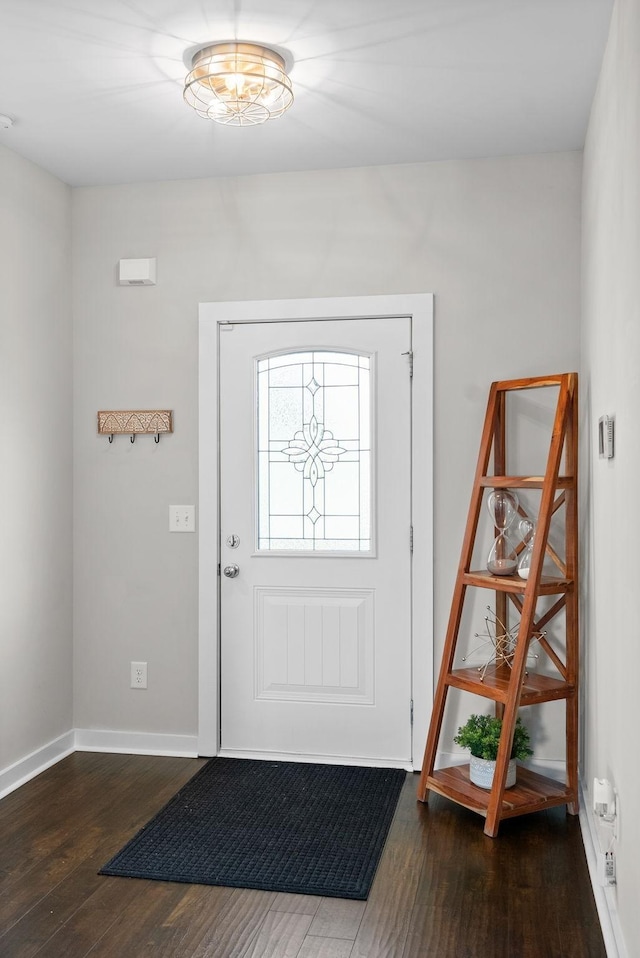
x,y
411,539
411,710
409,353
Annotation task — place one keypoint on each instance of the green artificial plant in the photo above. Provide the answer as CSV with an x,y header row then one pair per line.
x,y
481,735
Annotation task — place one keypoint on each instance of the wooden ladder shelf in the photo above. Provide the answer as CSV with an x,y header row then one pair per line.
x,y
508,684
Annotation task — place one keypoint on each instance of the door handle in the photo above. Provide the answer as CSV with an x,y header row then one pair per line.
x,y
231,571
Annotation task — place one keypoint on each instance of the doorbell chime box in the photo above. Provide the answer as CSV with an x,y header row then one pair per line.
x,y
137,272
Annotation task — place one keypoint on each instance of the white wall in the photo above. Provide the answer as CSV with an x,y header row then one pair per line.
x,y
36,473
496,240
611,384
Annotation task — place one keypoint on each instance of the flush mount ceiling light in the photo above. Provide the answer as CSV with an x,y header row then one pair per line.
x,y
239,84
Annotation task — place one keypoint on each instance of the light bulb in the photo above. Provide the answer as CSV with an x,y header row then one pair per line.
x,y
235,83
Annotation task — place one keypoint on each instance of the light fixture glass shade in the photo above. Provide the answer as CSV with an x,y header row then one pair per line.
x,y
239,84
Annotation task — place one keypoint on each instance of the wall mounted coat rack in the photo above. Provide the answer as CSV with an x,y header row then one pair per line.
x,y
134,422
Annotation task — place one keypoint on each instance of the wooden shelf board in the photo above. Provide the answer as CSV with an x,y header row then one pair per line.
x,y
523,482
536,688
549,585
531,793
532,382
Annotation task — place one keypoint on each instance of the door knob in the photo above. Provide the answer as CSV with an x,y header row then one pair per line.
x,y
231,571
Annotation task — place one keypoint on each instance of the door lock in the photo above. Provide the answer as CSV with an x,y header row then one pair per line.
x,y
231,571
233,541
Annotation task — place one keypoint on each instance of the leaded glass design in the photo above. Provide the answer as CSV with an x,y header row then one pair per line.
x,y
314,452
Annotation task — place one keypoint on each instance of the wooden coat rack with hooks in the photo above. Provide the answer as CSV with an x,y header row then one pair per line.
x,y
134,422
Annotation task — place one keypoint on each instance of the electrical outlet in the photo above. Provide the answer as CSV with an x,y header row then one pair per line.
x,y
138,675
606,868
182,518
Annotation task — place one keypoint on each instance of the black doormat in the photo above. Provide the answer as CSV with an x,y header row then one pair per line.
x,y
278,826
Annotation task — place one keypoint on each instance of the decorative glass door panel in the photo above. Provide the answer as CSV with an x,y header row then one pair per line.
x,y
314,436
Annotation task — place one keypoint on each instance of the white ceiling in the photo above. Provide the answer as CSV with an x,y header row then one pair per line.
x,y
94,86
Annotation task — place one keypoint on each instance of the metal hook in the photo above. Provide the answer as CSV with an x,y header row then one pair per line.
x,y
157,439
133,438
111,438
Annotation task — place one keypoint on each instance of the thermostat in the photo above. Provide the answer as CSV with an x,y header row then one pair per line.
x,y
605,437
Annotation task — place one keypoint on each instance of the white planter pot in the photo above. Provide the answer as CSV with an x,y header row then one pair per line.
x,y
481,772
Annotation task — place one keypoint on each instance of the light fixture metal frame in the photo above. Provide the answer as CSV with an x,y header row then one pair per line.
x,y
238,84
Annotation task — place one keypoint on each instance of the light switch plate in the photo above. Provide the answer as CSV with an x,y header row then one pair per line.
x,y
182,518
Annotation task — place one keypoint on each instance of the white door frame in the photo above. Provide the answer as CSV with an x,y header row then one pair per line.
x,y
419,306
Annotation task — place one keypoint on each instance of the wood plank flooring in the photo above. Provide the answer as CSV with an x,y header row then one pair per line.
x,y
443,889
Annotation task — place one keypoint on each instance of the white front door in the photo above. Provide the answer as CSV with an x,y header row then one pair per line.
x,y
315,513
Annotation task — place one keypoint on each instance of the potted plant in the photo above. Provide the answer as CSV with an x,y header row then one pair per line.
x,y
481,735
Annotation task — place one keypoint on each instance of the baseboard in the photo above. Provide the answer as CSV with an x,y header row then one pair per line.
x,y
136,743
31,765
552,768
605,896
94,740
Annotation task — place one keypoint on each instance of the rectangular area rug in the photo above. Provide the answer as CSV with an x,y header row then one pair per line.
x,y
278,826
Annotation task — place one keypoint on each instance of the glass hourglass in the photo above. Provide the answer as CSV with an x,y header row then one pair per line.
x,y
527,530
503,507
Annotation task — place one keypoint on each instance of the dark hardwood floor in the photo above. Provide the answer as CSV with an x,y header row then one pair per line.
x,y
443,889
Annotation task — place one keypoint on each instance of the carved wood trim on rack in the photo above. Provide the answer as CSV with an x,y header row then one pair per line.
x,y
134,422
